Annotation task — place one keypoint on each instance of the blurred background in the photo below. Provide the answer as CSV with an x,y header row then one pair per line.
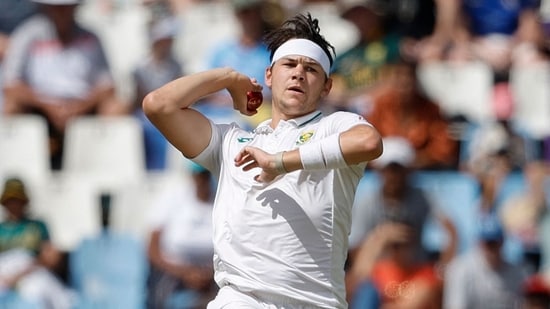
x,y
91,188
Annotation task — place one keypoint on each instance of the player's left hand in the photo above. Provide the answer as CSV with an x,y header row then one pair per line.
x,y
250,157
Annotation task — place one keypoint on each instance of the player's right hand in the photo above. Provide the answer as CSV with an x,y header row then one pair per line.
x,y
239,89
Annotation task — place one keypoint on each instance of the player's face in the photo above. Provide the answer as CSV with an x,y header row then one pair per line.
x,y
297,85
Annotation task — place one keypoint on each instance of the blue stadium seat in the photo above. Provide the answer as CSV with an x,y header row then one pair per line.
x,y
12,300
456,194
109,271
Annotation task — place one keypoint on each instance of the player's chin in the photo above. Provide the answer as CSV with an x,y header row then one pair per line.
x,y
297,107
295,98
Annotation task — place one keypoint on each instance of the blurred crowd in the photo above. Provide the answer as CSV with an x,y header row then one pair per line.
x,y
457,88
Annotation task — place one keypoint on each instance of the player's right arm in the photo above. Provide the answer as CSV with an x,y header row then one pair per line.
x,y
169,110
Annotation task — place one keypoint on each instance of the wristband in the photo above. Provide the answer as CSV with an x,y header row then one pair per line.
x,y
312,156
323,154
332,153
279,164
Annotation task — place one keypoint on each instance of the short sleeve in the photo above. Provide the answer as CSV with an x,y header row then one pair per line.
x,y
343,121
211,156
15,60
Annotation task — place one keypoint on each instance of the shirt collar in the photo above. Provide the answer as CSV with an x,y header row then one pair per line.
x,y
303,120
297,122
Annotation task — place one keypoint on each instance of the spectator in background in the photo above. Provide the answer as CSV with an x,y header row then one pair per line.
x,y
481,278
544,243
494,151
358,71
522,213
29,262
390,275
245,53
543,273
498,34
158,68
493,31
425,26
496,138
401,109
57,69
502,32
396,213
159,9
12,13
180,245
490,172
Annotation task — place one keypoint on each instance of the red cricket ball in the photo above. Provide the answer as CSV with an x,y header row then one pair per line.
x,y
254,100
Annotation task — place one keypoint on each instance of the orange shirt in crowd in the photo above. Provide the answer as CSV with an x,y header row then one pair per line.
x,y
397,284
420,121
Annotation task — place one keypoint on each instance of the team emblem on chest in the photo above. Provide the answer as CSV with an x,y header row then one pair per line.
x,y
304,137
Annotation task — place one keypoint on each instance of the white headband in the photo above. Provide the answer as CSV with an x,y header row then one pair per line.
x,y
305,48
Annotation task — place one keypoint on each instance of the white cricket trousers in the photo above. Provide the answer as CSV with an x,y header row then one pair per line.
x,y
230,298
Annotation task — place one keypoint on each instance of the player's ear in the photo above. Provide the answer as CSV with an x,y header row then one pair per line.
x,y
268,75
326,88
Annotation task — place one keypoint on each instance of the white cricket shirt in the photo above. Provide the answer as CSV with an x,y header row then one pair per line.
x,y
286,240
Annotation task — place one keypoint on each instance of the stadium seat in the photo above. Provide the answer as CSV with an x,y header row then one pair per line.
x,y
24,148
109,271
529,87
463,89
204,24
13,300
131,204
108,150
341,33
70,207
122,29
456,194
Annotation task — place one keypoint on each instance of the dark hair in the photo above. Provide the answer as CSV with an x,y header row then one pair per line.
x,y
298,27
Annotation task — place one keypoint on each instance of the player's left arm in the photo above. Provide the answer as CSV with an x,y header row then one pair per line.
x,y
359,143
